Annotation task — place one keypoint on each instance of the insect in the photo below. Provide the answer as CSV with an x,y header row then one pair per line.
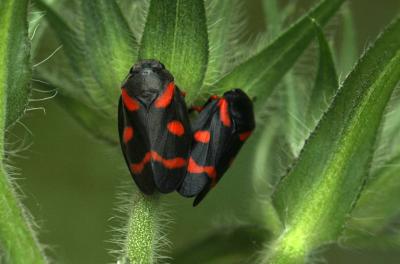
x,y
219,131
154,128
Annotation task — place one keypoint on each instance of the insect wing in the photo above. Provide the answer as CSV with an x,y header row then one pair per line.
x,y
170,139
135,148
218,135
202,156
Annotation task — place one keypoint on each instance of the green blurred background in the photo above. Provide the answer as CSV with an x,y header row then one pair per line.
x,y
70,180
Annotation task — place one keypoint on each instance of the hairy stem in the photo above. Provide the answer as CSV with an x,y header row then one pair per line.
x,y
143,234
290,248
16,236
17,241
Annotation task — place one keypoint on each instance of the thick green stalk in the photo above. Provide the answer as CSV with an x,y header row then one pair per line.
x,y
17,241
143,236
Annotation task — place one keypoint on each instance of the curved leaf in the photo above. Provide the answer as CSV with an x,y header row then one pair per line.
x,y
378,205
176,34
135,12
326,81
110,48
99,55
377,211
316,196
75,69
260,74
226,25
348,47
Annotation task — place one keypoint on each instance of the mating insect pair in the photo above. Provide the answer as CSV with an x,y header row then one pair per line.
x,y
161,149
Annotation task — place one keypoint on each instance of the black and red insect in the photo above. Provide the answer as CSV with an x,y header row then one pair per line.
x,y
219,131
154,128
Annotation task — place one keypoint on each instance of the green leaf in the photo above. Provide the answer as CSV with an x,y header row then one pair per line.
x,y
273,16
319,191
291,94
75,69
97,124
99,55
389,137
17,240
135,13
377,210
263,167
176,34
348,47
110,48
326,82
226,23
260,74
264,171
378,206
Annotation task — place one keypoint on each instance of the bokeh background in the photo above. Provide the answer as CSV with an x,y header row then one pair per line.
x,y
70,180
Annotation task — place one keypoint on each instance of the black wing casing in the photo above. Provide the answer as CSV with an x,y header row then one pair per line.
x,y
154,128
219,132
135,146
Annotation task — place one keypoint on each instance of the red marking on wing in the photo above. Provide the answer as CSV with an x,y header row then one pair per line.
x,y
243,136
130,103
202,136
224,112
193,167
175,127
128,134
165,99
214,97
174,163
138,167
170,164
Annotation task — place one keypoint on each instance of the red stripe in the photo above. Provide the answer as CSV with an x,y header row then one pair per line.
x,y
174,163
243,136
170,164
130,103
138,167
193,167
202,136
165,99
224,112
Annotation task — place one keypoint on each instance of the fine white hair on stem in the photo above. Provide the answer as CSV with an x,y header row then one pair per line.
x,y
41,108
49,57
45,98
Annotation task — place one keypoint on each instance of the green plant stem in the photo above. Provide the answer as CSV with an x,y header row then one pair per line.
x,y
143,235
16,237
288,249
17,241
